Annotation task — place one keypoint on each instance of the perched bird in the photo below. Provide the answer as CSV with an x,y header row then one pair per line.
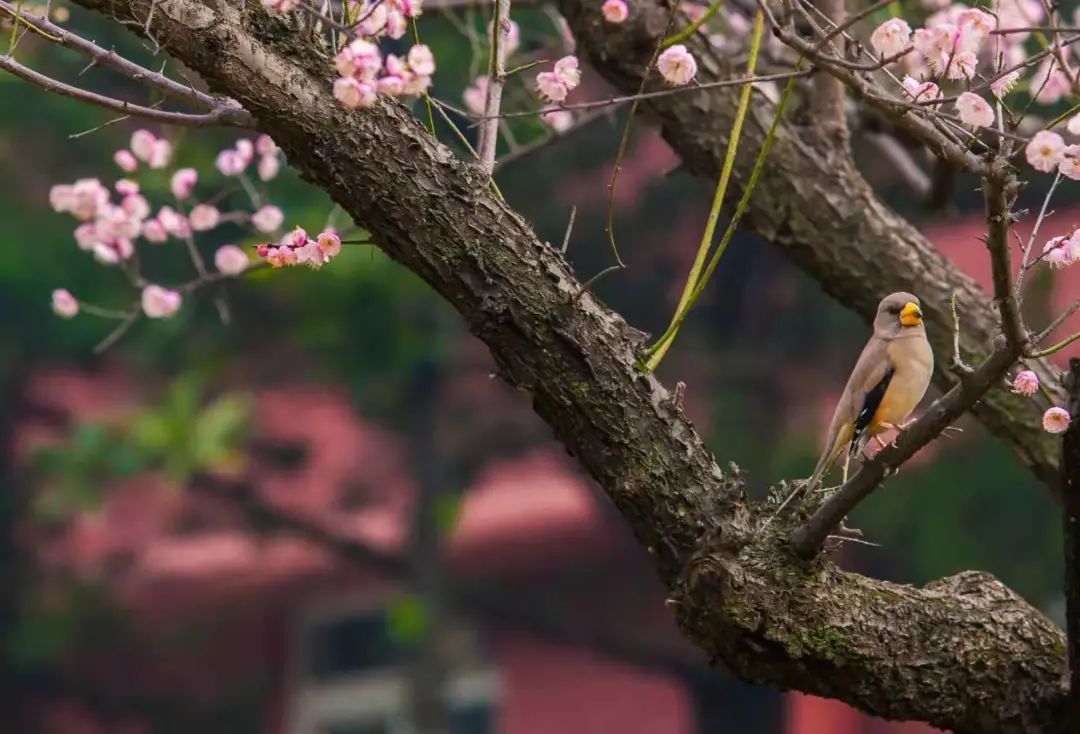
x,y
888,381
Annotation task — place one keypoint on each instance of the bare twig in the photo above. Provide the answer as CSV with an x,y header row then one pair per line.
x,y
569,229
1061,319
489,131
129,69
552,137
610,101
221,116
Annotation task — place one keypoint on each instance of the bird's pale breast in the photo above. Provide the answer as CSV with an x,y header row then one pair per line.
x,y
914,364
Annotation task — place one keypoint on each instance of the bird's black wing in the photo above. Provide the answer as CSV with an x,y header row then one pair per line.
x,y
871,403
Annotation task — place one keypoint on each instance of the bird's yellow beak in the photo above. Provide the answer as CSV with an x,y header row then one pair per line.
x,y
911,315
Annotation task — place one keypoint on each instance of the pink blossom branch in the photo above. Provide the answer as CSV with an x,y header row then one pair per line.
x,y
646,95
231,116
489,131
129,69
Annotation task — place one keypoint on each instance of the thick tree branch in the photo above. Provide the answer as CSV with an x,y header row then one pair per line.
x,y
815,206
965,654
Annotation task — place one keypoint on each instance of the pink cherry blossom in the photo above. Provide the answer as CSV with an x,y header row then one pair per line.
x,y
86,236
126,160
183,182
421,60
920,91
513,37
126,186
281,6
360,58
891,37
558,120
396,25
154,231
1057,252
1026,383
230,163
1004,84
83,199
374,17
160,303
268,219
142,144
475,95
1045,151
1050,83
568,71
615,11
550,87
230,259
677,65
174,223
415,83
1070,162
1073,125
329,243
963,65
204,217
246,150
974,110
137,207
161,154
265,145
353,93
64,304
1056,420
268,167
391,84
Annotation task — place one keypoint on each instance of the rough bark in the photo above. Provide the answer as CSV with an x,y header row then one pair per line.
x,y
813,204
965,653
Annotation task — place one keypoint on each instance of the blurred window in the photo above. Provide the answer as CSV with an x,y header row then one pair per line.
x,y
351,675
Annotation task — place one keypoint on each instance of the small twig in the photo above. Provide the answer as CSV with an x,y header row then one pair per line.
x,y
1061,319
569,229
646,95
552,137
121,329
489,131
219,116
609,226
958,363
1035,232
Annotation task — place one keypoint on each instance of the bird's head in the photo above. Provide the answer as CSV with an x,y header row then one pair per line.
x,y
898,312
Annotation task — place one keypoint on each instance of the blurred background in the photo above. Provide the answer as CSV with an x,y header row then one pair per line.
x,y
327,517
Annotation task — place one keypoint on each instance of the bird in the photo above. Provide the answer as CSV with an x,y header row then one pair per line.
x,y
887,383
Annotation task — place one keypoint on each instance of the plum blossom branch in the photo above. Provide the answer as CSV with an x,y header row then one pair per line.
x,y
622,99
129,69
221,116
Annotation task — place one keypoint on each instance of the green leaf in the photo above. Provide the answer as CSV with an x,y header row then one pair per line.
x,y
407,620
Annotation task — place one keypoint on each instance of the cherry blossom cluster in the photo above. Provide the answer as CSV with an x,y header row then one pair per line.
x,y
365,73
112,222
956,41
297,248
1055,419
